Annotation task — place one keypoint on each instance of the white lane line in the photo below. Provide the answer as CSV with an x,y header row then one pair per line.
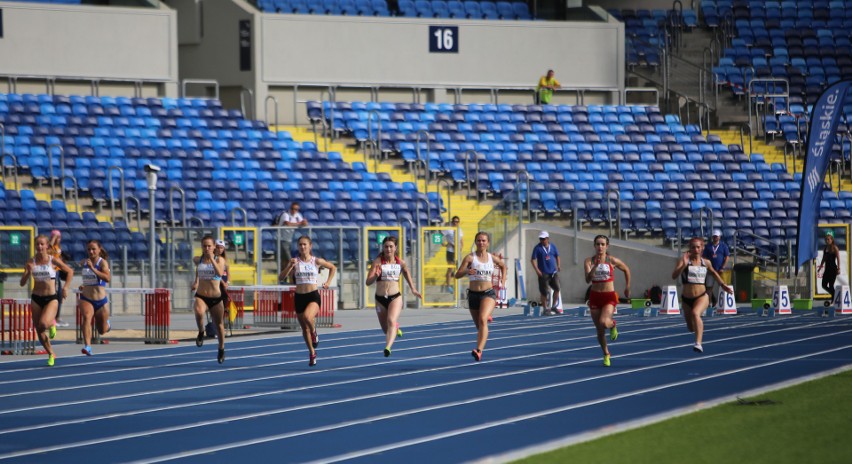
x,y
317,372
39,391
398,414
297,344
516,419
300,373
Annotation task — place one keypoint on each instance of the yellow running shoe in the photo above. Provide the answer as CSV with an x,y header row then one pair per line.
x,y
398,332
606,360
51,332
51,359
613,332
387,352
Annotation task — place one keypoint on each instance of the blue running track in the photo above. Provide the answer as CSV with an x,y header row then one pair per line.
x,y
540,384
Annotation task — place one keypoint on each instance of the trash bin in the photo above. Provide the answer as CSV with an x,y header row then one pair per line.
x,y
743,282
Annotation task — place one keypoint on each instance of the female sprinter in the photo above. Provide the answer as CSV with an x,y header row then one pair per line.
x,y
45,298
93,296
600,272
479,266
385,272
305,269
208,293
693,270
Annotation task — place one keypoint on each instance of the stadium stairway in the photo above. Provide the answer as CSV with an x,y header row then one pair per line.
x,y
771,153
470,212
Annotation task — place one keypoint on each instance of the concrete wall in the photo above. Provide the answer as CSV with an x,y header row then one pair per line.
x,y
648,265
210,46
81,42
373,51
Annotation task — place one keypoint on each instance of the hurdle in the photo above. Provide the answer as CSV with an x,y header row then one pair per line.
x,y
156,310
275,305
17,333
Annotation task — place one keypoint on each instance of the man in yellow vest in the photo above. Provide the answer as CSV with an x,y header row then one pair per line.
x,y
546,85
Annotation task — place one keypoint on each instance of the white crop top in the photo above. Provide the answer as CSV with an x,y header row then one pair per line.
x,y
206,271
44,272
306,272
484,271
695,274
391,272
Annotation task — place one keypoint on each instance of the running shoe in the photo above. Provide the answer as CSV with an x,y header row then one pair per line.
x,y
199,340
477,355
61,323
398,332
51,332
606,360
51,359
555,310
613,332
109,326
315,339
312,361
698,348
87,350
387,352
221,356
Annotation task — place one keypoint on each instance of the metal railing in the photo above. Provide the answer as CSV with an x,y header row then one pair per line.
x,y
111,190
213,82
172,220
467,170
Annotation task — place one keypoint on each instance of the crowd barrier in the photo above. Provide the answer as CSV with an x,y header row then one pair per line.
x,y
274,306
17,333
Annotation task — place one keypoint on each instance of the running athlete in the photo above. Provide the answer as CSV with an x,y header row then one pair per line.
x,y
208,293
479,267
386,270
93,296
600,272
305,268
693,270
45,298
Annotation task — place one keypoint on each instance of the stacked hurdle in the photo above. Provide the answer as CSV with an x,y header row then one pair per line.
x,y
325,316
158,303
17,333
275,305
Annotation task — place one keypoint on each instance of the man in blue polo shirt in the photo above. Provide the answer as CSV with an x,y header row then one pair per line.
x,y
546,262
717,253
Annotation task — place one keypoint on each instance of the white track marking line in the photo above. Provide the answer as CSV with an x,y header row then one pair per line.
x,y
413,411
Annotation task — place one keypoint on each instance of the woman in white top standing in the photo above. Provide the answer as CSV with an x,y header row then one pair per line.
x,y
305,268
385,273
479,267
45,298
693,271
208,293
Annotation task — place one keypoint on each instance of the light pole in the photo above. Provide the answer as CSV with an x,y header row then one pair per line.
x,y
151,175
